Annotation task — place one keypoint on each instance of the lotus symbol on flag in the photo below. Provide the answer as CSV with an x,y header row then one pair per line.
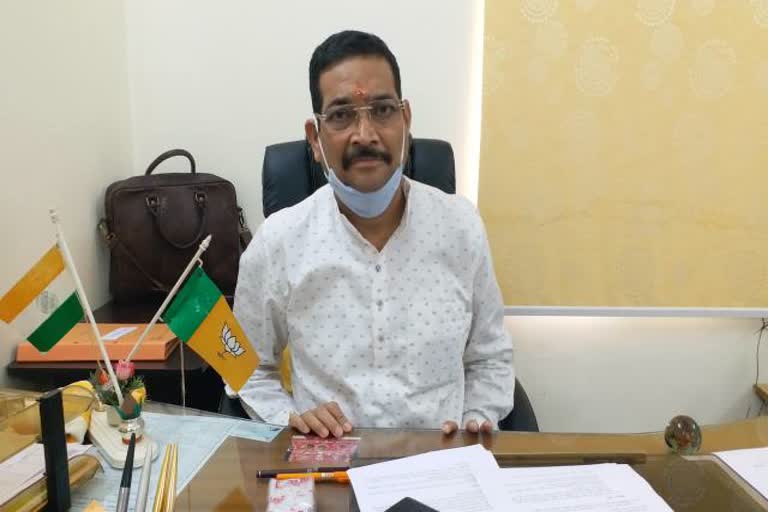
x,y
230,343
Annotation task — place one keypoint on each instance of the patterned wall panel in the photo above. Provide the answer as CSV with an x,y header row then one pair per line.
x,y
624,157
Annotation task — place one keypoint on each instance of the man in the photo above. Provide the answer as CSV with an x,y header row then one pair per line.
x,y
383,287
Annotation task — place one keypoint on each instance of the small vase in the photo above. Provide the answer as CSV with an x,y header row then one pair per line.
x,y
130,426
113,417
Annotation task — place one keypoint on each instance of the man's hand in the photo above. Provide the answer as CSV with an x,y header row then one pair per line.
x,y
449,427
323,420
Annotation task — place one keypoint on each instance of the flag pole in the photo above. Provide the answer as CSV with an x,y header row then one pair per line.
x,y
70,263
183,381
195,259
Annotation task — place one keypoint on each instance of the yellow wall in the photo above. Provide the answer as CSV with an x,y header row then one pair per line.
x,y
624,157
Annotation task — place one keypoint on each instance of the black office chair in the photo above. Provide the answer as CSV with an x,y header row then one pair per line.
x,y
522,418
232,407
290,174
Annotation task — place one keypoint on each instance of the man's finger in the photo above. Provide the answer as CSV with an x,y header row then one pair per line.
x,y
472,426
295,421
450,427
315,424
334,408
324,415
486,427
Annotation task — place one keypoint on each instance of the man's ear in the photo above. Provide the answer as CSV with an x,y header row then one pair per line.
x,y
311,132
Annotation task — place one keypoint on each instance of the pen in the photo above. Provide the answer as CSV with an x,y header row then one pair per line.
x,y
146,471
125,483
334,476
557,458
272,473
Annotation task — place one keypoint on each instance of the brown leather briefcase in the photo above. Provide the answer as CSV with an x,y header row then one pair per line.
x,y
155,223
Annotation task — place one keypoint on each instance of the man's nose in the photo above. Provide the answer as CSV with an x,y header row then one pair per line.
x,y
364,129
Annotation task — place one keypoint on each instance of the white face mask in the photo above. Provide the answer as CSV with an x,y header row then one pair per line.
x,y
364,204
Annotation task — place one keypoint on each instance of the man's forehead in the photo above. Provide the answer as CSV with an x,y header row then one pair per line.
x,y
357,79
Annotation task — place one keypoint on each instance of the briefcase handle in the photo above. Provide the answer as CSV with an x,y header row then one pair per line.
x,y
170,154
155,207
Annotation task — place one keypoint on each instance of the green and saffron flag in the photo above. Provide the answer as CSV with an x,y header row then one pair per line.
x,y
201,318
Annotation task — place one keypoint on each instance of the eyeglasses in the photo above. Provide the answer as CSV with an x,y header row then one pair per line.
x,y
380,112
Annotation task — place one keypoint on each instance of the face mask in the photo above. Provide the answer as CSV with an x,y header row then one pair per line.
x,y
364,204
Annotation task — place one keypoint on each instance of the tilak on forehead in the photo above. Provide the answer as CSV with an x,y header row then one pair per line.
x,y
359,91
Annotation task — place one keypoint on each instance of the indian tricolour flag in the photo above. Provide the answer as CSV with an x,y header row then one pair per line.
x,y
43,306
201,318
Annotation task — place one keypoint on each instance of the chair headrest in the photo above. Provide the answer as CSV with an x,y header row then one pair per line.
x,y
290,173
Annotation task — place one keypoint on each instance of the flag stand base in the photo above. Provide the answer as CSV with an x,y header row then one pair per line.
x,y
110,443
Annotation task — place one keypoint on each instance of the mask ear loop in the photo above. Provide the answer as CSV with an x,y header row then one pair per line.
x,y
405,131
402,148
326,168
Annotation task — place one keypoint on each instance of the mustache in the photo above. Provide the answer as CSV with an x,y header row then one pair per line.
x,y
364,152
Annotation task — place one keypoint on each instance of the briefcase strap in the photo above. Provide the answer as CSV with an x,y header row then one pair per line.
x,y
114,243
245,233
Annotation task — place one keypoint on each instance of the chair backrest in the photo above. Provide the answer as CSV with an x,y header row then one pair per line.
x,y
522,418
290,173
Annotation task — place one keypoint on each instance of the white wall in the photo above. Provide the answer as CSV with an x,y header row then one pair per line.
x,y
226,79
64,133
634,374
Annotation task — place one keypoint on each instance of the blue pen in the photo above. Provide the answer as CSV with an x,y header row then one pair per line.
x,y
125,483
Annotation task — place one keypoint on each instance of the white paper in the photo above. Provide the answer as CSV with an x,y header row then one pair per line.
x,y
19,471
751,464
469,480
446,480
118,333
593,488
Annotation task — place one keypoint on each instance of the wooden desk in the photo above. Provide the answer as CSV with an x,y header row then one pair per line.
x,y
227,481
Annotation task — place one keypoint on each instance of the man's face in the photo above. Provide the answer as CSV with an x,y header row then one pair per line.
x,y
366,153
